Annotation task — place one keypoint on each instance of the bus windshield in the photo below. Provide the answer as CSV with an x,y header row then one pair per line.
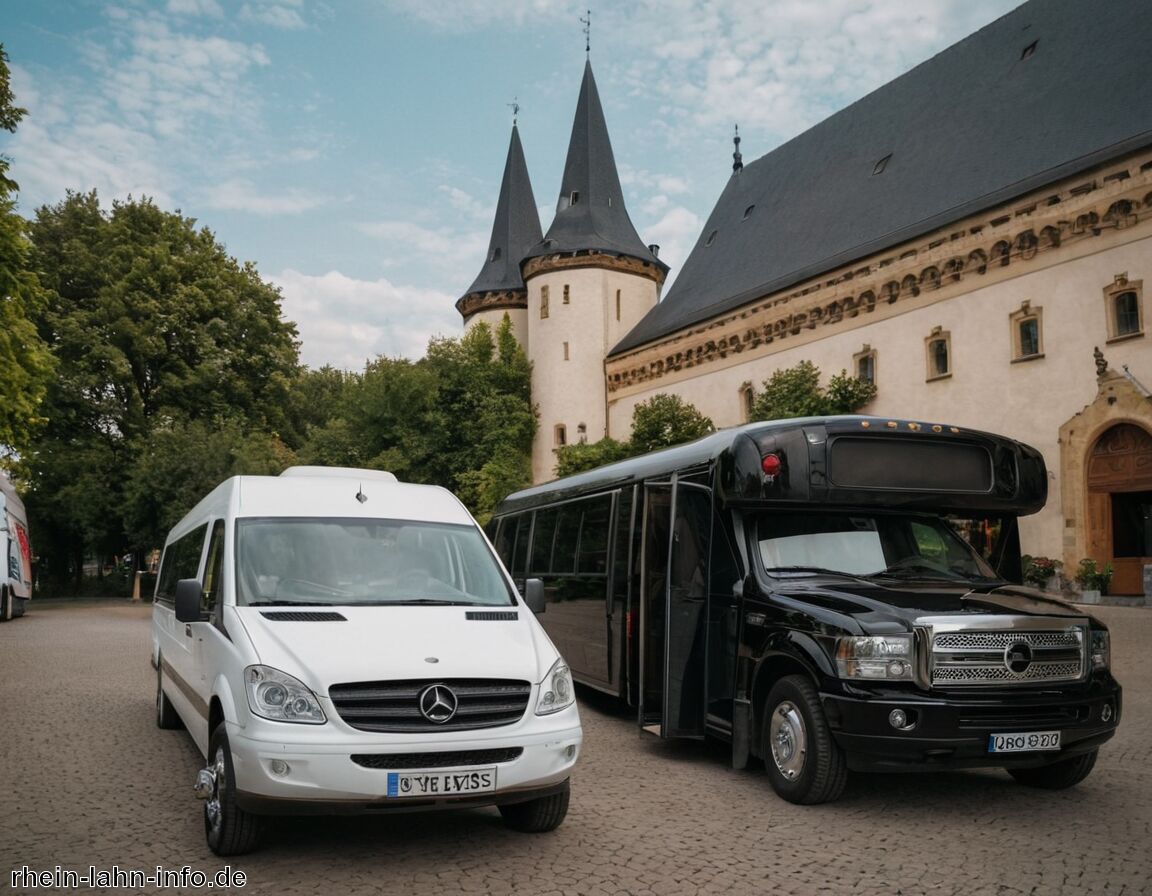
x,y
870,545
319,562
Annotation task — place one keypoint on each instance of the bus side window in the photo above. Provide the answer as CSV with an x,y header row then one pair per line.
x,y
520,550
567,538
594,535
545,529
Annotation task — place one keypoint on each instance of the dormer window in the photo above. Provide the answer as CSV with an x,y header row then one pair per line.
x,y
574,197
495,256
879,167
711,238
748,212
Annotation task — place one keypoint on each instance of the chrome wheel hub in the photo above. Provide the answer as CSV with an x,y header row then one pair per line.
x,y
788,740
212,810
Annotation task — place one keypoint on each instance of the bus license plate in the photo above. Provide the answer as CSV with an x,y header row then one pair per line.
x,y
425,784
1024,743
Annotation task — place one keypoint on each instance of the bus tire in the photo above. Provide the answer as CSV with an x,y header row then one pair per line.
x,y
166,716
229,830
537,816
1058,775
803,762
5,603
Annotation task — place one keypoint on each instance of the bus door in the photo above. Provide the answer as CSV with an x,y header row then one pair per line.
x,y
673,608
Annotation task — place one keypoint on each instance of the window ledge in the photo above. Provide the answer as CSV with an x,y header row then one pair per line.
x,y
1023,358
939,376
1125,337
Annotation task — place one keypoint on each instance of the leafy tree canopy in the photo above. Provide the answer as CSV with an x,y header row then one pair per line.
x,y
796,392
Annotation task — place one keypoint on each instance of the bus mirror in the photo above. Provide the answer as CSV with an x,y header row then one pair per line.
x,y
188,600
534,595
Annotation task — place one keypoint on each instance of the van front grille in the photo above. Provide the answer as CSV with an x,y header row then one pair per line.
x,y
467,703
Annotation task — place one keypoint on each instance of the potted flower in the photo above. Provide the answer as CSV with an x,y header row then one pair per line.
x,y
1038,571
1093,580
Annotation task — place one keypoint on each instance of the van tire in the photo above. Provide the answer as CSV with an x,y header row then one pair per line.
x,y
229,830
537,816
166,716
804,763
1058,775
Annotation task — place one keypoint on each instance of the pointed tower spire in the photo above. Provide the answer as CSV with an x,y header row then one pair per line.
x,y
737,159
515,230
590,213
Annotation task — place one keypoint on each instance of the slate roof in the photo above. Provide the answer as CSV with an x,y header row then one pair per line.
x,y
983,121
515,229
597,219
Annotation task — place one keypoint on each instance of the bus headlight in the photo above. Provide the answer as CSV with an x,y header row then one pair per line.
x,y
1101,650
274,695
875,657
556,690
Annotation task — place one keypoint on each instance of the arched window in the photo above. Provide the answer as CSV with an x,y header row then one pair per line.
x,y
1027,333
560,435
939,354
1124,301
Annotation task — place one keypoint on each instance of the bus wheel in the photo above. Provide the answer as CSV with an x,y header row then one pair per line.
x,y
230,830
5,603
803,762
537,816
166,715
1058,775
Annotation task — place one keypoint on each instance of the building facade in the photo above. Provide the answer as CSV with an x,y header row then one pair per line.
x,y
974,237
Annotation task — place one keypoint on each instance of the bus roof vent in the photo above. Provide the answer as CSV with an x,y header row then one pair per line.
x,y
342,473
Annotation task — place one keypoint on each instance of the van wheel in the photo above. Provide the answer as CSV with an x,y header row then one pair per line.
x,y
230,830
804,763
1058,775
537,816
166,715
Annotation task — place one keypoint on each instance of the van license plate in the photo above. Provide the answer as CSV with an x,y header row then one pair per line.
x,y
424,784
1024,743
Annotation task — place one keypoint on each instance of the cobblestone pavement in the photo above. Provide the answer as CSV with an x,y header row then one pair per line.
x,y
92,782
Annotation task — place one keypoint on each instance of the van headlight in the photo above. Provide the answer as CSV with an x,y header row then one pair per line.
x,y
274,695
875,657
1101,650
556,690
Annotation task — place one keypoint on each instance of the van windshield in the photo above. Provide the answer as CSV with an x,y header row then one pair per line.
x,y
321,562
872,545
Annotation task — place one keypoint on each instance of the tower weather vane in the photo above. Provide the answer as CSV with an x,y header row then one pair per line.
x,y
515,107
587,32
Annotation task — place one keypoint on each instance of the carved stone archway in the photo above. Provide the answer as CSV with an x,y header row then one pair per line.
x,y
1106,479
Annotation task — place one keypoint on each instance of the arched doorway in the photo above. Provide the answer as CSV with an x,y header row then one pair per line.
x,y
1119,481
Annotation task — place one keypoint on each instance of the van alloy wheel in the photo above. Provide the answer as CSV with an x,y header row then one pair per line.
x,y
213,815
788,739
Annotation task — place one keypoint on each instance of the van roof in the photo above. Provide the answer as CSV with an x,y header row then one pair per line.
x,y
329,495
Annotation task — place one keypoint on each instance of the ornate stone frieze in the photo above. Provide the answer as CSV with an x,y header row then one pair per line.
x,y
944,262
501,300
591,259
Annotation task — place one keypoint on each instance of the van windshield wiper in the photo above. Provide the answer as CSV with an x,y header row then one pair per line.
x,y
429,602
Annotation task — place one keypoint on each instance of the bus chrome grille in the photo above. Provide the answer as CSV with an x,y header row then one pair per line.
x,y
962,658
428,705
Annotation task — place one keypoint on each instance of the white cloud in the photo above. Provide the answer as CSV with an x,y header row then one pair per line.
x,y
451,256
345,322
675,233
195,8
462,15
242,195
282,14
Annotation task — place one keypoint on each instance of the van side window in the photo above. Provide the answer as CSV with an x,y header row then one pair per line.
x,y
213,569
181,561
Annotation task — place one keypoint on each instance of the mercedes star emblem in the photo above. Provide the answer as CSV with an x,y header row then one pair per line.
x,y
437,704
1018,657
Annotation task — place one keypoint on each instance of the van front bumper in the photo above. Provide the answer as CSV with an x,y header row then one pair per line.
x,y
323,777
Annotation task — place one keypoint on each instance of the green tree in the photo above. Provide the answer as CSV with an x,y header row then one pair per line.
x,y
660,422
25,363
153,327
796,392
666,420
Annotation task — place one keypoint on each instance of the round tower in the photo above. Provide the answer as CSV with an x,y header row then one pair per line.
x,y
589,282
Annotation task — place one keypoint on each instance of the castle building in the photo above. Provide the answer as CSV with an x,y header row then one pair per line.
x,y
973,237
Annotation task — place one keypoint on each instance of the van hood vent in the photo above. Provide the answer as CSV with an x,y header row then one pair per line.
x,y
492,615
304,616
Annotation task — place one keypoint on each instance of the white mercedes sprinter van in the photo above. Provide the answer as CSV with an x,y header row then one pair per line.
x,y
336,642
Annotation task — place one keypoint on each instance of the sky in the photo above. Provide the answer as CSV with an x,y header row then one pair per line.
x,y
353,149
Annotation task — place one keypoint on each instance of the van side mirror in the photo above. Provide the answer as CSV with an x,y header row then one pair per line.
x,y
534,595
188,600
